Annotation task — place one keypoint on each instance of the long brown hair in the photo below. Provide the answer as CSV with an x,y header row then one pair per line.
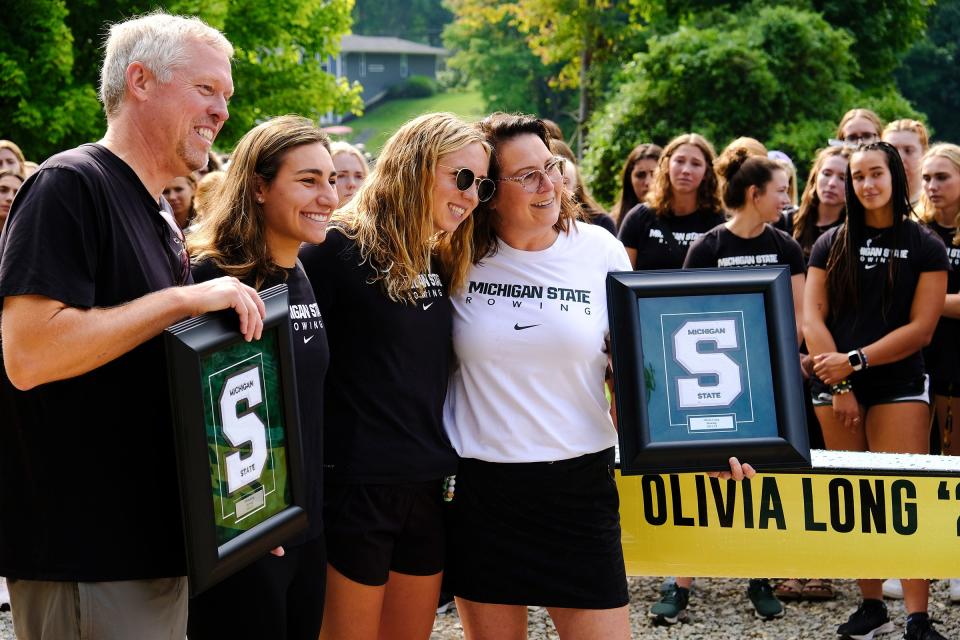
x,y
628,197
660,197
805,219
499,128
233,233
391,215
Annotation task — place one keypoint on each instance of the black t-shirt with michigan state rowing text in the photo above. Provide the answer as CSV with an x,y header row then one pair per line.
x,y
720,247
389,365
942,355
644,231
919,251
311,357
88,481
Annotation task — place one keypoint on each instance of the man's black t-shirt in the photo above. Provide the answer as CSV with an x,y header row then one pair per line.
x,y
919,251
311,357
720,247
644,231
942,355
389,364
88,482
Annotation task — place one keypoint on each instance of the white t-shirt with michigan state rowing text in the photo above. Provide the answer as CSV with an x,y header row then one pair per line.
x,y
528,333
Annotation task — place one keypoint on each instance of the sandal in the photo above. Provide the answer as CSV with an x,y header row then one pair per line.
x,y
816,589
789,589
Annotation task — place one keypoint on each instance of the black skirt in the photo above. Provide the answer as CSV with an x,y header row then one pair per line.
x,y
538,534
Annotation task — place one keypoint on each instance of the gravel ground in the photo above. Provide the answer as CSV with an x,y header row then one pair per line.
x,y
719,609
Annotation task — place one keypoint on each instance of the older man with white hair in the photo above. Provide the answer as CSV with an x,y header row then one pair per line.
x,y
91,272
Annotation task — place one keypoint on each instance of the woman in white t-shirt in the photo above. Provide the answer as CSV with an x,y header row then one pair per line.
x,y
534,515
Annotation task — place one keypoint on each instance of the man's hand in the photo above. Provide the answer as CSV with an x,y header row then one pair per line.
x,y
229,293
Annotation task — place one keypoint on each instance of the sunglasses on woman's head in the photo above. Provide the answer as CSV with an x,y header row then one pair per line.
x,y
466,178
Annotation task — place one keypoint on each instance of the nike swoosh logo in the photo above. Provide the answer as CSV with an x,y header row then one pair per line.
x,y
871,266
427,306
518,327
306,339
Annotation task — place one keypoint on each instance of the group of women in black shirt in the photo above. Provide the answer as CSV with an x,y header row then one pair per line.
x,y
868,301
875,290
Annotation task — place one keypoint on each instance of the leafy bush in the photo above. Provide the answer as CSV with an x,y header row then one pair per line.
x,y
414,87
780,74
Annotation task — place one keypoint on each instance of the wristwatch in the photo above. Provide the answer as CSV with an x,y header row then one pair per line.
x,y
856,360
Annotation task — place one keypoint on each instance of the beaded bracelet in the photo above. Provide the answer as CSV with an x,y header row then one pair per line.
x,y
841,387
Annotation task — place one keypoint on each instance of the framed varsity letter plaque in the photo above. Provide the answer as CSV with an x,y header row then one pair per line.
x,y
706,366
237,439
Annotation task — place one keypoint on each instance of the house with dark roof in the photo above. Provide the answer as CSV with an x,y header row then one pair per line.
x,y
378,63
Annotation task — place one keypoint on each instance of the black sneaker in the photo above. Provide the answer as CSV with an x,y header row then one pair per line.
x,y
671,606
921,628
868,620
765,604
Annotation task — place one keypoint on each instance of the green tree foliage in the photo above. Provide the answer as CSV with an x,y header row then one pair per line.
x,y
42,108
417,20
779,74
882,30
51,53
491,50
278,68
928,75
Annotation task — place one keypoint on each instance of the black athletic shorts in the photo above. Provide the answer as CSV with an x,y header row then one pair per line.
x,y
372,530
540,533
889,392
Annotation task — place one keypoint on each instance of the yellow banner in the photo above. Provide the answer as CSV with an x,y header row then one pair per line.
x,y
792,525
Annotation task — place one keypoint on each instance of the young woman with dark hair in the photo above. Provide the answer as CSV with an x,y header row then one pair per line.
x,y
682,205
636,179
526,408
875,291
278,193
755,189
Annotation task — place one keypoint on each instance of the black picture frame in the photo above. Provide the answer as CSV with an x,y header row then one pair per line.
x,y
664,446
218,542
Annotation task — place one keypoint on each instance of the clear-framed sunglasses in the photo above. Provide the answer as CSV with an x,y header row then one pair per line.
x,y
531,181
466,178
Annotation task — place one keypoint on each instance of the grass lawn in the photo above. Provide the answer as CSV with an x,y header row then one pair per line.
x,y
380,122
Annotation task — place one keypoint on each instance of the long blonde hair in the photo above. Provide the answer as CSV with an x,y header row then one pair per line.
x,y
232,233
660,197
391,215
928,212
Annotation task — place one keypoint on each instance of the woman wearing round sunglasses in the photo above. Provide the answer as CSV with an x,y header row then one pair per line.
x,y
381,280
534,517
